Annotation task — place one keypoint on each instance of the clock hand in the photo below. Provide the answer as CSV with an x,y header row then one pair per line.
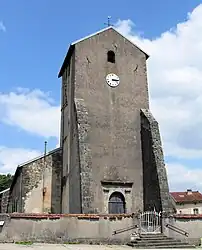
x,y
115,80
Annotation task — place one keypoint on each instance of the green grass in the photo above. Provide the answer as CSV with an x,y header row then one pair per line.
x,y
71,243
24,242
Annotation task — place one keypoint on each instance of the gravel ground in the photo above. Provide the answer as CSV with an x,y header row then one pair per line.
x,y
63,247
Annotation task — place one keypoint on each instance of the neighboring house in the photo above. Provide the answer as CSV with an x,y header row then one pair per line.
x,y
189,202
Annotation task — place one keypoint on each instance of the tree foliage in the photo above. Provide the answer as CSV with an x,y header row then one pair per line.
x,y
5,181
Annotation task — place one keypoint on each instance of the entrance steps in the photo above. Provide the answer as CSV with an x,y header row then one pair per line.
x,y
157,241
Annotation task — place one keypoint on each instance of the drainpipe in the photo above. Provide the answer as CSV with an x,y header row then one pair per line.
x,y
43,172
20,200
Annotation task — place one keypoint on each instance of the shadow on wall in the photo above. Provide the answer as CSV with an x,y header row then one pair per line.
x,y
65,228
184,227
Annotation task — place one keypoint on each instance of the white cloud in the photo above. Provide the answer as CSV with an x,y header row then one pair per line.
x,y
32,111
2,27
175,83
10,158
182,178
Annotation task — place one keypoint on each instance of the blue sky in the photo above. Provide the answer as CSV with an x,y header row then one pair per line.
x,y
34,37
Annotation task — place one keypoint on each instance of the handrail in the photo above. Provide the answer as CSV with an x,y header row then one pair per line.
x,y
177,230
124,229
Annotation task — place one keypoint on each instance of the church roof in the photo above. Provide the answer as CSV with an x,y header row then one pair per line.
x,y
71,47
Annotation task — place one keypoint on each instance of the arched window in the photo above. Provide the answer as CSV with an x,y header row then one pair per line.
x,y
117,203
111,56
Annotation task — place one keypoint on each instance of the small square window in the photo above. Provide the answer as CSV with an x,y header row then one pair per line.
x,y
196,211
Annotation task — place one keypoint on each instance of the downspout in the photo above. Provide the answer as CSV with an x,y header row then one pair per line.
x,y
43,177
20,208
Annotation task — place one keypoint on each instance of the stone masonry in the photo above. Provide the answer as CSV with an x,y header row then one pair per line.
x,y
107,147
4,197
156,190
36,187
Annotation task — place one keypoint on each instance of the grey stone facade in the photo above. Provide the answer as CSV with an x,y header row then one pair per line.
x,y
36,186
101,129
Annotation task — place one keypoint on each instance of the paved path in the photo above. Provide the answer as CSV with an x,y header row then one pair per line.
x,y
63,247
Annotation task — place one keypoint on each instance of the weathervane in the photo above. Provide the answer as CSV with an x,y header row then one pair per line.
x,y
108,21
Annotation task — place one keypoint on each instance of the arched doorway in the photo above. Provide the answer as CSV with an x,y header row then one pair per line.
x,y
117,203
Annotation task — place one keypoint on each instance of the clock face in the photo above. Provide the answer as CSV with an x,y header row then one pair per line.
x,y
112,80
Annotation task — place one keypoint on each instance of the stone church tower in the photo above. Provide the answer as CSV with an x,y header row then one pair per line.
x,y
112,155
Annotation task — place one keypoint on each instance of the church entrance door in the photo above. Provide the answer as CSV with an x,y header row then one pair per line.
x,y
116,203
150,222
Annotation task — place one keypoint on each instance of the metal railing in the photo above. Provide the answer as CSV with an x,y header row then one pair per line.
x,y
124,229
177,230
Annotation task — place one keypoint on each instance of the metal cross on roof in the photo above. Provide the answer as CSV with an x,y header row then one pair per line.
x,y
108,21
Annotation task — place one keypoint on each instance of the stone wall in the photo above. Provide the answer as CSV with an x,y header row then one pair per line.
x,y
80,228
65,228
15,202
156,190
56,182
192,224
36,186
4,197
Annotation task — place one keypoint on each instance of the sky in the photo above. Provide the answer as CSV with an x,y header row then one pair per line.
x,y
34,38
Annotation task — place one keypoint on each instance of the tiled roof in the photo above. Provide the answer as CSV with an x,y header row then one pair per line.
x,y
188,216
188,196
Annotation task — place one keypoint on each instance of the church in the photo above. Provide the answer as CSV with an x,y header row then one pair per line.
x,y
110,159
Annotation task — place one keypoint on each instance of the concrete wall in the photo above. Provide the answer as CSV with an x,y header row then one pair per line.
x,y
190,224
188,208
36,186
64,229
86,228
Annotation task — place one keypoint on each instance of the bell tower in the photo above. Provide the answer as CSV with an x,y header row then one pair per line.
x,y
106,127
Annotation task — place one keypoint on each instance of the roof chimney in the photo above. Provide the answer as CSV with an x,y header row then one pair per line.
x,y
189,191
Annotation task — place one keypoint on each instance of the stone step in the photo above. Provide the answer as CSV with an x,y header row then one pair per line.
x,y
146,235
155,241
159,243
182,246
154,238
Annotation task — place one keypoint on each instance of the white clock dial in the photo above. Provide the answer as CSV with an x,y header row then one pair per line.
x,y
112,80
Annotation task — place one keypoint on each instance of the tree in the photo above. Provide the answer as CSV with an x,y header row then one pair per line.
x,y
5,181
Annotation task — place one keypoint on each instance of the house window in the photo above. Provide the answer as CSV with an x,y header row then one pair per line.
x,y
111,56
196,211
116,203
